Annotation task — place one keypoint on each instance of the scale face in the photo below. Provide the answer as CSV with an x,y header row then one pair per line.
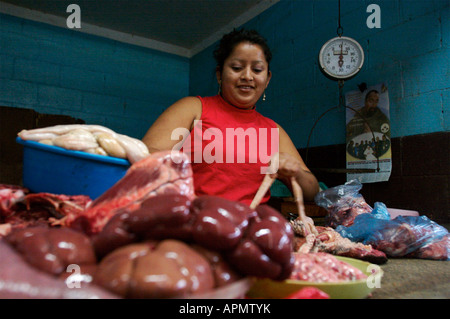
x,y
341,58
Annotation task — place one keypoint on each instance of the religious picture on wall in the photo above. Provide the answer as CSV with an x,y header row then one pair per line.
x,y
368,131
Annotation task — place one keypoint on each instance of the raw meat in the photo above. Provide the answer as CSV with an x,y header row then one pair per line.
x,y
19,208
20,280
323,267
77,139
57,205
9,196
345,214
218,223
437,250
155,270
155,202
265,249
5,229
52,249
330,241
41,133
87,138
400,237
343,203
406,238
304,222
223,273
158,217
135,149
254,242
167,172
111,146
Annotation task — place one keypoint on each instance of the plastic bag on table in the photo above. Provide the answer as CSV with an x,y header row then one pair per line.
x,y
380,211
438,250
343,203
404,236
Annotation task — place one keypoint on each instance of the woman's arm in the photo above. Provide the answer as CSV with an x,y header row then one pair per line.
x,y
292,164
180,115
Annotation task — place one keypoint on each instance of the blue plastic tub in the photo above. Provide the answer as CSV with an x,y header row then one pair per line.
x,y
53,169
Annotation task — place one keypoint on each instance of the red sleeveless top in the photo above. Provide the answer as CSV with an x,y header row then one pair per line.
x,y
230,149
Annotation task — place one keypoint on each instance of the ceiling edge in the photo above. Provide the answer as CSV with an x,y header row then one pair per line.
x,y
237,22
57,21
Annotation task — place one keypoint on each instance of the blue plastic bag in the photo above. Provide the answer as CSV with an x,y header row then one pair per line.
x,y
404,236
380,211
343,203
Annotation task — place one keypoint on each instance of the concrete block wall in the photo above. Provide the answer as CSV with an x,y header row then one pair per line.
x,y
59,71
409,53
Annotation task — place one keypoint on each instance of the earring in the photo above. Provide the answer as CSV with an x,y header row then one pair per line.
x,y
220,87
264,96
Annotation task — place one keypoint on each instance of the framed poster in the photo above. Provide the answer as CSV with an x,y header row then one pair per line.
x,y
368,134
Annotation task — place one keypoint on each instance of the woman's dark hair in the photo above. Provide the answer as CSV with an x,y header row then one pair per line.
x,y
230,40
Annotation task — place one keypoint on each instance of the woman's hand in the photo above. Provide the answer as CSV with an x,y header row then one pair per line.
x,y
289,167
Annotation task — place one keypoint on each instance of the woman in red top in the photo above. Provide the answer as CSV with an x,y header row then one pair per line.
x,y
230,143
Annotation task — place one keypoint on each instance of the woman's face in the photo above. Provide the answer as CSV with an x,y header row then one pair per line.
x,y
245,75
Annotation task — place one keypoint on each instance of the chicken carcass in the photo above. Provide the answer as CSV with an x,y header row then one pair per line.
x,y
304,221
330,241
94,139
77,139
309,238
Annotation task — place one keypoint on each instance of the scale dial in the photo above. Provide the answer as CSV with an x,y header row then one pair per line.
x,y
341,58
